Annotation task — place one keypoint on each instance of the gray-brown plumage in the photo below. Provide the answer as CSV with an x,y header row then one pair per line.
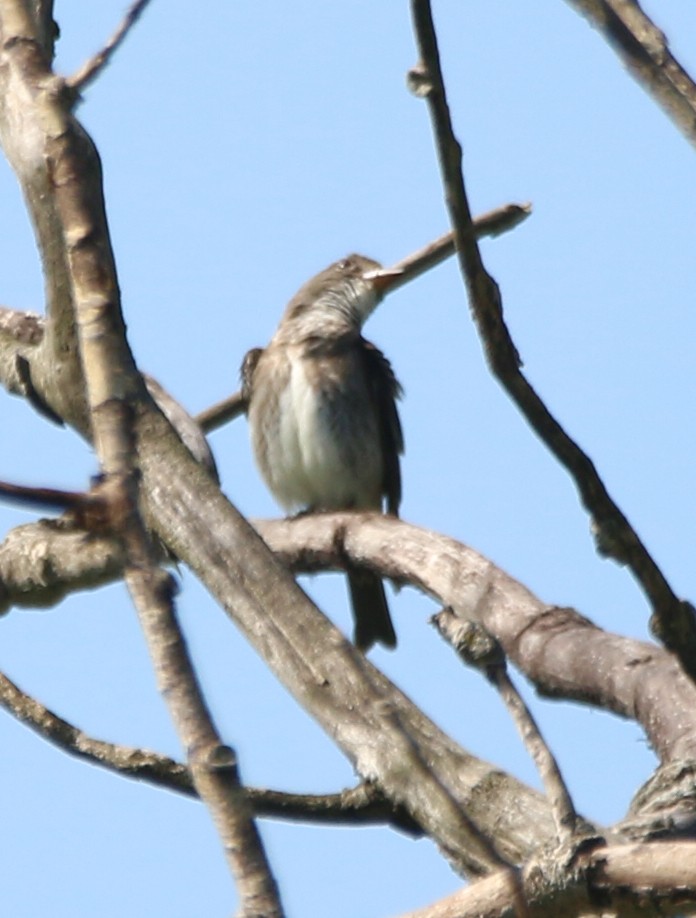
x,y
322,413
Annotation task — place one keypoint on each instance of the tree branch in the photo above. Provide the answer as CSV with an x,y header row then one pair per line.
x,y
629,677
633,881
673,621
478,648
41,562
644,50
114,389
493,223
123,760
357,806
91,69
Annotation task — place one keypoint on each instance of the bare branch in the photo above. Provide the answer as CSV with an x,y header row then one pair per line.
x,y
361,805
91,69
40,562
123,760
633,881
222,412
643,48
493,223
114,392
213,765
631,678
673,620
478,648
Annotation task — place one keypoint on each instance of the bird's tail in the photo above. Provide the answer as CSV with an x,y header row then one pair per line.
x,y
370,610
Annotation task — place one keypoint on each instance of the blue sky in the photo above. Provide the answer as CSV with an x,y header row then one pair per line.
x,y
245,147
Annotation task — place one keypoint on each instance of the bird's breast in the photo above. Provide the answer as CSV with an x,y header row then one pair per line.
x,y
314,433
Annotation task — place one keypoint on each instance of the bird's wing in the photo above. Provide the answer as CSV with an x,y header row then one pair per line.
x,y
385,389
251,358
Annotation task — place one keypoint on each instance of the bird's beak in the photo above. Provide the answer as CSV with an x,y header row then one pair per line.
x,y
385,279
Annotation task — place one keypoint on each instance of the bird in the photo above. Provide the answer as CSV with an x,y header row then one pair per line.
x,y
323,419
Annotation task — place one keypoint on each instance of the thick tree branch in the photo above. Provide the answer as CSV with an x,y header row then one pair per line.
x,y
633,881
41,562
644,50
673,621
631,678
387,739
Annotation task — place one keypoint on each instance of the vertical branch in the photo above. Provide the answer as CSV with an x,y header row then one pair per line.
x,y
115,392
213,765
673,620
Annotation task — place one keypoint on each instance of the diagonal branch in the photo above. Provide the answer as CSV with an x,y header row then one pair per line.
x,y
478,648
123,760
91,69
644,50
673,620
492,223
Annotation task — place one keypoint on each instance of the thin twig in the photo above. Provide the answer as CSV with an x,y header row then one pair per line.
x,y
123,760
91,69
643,48
360,805
222,412
673,620
40,498
478,648
492,223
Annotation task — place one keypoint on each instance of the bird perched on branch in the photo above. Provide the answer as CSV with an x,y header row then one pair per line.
x,y
322,414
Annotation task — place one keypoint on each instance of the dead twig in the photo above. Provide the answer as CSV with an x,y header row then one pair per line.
x,y
91,69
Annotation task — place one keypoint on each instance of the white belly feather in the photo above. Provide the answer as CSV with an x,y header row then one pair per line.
x,y
314,467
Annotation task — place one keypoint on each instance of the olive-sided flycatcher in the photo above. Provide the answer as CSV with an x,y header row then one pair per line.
x,y
322,414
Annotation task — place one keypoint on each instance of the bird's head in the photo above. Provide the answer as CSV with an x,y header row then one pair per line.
x,y
345,292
